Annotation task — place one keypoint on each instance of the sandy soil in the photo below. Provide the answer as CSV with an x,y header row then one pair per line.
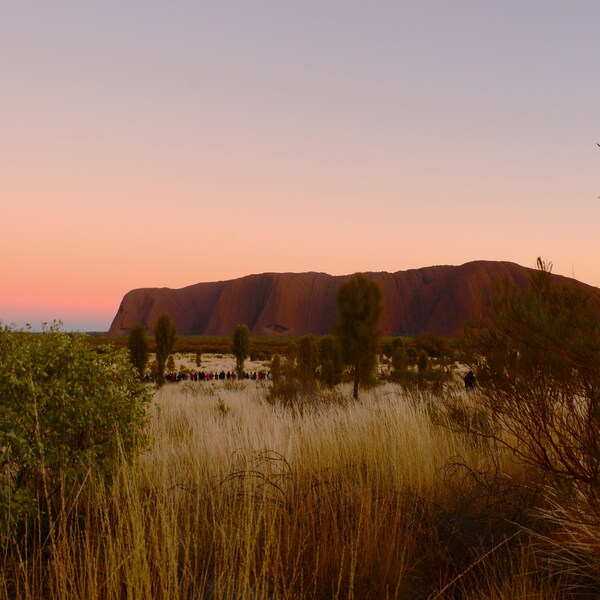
x,y
213,363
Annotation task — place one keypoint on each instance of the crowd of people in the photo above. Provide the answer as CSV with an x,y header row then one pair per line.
x,y
175,377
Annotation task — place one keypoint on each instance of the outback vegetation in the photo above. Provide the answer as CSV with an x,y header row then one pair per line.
x,y
165,334
240,346
69,415
294,488
357,325
138,348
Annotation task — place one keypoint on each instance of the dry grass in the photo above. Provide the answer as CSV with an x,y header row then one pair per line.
x,y
241,499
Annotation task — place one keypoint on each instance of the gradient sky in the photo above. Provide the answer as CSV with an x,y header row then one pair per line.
x,y
161,144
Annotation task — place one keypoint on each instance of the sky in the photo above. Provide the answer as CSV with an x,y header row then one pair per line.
x,y
163,144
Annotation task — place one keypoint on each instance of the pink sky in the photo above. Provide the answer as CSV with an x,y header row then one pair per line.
x,y
161,147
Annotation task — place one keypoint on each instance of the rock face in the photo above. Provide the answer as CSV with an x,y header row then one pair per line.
x,y
436,300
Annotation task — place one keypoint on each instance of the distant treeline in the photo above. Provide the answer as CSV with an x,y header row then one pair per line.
x,y
264,348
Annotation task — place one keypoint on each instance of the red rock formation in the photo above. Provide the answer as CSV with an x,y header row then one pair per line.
x,y
430,300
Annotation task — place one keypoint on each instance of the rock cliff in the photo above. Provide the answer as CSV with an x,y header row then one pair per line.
x,y
437,299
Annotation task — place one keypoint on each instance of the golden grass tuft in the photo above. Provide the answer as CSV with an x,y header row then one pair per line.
x,y
238,498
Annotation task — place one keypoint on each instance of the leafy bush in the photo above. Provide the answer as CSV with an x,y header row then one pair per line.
x,y
289,387
538,368
331,364
300,380
165,334
138,349
67,410
240,346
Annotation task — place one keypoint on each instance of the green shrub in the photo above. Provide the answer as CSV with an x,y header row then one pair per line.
x,y
171,364
289,386
165,335
399,360
537,363
240,346
356,327
331,364
67,410
138,349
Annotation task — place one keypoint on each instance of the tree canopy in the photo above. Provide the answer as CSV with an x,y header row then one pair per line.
x,y
359,309
138,348
165,334
240,346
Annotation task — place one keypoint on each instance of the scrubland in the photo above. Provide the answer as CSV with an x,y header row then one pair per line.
x,y
390,496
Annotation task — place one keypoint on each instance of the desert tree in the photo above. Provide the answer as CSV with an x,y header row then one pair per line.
x,y
240,346
330,361
276,367
537,362
171,368
303,369
435,346
359,309
165,334
399,360
307,356
138,348
294,382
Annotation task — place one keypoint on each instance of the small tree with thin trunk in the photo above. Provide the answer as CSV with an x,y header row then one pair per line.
x,y
359,308
171,364
165,334
330,361
138,348
307,356
240,346
399,360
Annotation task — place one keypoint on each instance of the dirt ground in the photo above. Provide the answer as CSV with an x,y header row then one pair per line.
x,y
213,363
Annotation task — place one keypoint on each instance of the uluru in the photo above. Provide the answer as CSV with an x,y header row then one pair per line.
x,y
436,299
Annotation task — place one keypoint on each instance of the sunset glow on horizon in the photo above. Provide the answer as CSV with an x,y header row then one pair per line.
x,y
163,146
